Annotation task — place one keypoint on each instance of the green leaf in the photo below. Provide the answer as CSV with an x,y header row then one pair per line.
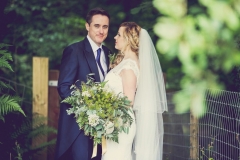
x,y
99,134
4,63
99,127
135,10
4,85
9,104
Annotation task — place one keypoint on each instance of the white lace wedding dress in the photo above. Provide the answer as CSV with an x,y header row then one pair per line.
x,y
123,149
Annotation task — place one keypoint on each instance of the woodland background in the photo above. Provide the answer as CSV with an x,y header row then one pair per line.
x,y
45,27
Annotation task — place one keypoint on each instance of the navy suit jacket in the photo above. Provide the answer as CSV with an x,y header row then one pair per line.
x,y
77,62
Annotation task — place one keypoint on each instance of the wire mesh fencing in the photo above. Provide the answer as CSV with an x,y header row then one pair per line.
x,y
215,135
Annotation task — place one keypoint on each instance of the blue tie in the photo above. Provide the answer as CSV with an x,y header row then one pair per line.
x,y
98,60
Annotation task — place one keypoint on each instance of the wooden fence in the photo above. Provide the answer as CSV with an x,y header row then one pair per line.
x,y
45,99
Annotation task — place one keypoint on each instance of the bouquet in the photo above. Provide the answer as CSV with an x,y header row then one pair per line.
x,y
99,112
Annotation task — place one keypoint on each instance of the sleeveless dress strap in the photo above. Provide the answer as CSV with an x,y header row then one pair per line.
x,y
129,64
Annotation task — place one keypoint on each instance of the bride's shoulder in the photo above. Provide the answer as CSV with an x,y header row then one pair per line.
x,y
134,62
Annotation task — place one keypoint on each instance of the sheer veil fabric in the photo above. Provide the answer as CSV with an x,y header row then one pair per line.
x,y
149,104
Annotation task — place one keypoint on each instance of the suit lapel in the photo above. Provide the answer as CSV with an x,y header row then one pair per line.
x,y
88,52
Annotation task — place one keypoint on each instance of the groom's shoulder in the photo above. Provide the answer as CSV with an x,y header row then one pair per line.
x,y
81,42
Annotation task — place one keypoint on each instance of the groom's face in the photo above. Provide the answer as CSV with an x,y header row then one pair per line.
x,y
98,28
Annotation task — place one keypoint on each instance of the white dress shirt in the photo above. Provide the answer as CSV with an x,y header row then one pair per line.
x,y
102,58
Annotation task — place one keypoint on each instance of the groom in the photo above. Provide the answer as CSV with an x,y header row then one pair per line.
x,y
78,60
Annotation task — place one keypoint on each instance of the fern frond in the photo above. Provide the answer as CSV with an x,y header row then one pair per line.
x,y
4,63
17,98
6,55
4,45
4,85
2,118
3,52
43,146
41,131
24,128
9,104
38,120
35,127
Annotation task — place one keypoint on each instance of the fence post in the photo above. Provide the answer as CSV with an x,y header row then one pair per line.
x,y
40,95
194,155
53,107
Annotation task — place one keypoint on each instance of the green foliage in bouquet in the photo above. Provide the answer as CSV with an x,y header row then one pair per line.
x,y
99,111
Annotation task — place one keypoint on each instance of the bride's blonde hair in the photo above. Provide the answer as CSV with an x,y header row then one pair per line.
x,y
131,34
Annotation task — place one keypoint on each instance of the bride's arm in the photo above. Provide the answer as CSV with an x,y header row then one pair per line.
x,y
129,81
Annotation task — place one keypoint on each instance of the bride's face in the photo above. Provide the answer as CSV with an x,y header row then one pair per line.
x,y
120,41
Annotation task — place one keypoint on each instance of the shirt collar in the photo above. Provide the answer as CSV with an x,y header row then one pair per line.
x,y
93,44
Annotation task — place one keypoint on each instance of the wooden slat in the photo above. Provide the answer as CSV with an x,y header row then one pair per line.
x,y
40,85
193,137
40,96
53,108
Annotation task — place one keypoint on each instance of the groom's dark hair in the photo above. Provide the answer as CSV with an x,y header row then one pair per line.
x,y
96,11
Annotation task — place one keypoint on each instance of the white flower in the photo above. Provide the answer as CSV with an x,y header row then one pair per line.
x,y
70,111
120,121
93,120
109,127
127,124
106,88
77,93
78,110
86,93
94,88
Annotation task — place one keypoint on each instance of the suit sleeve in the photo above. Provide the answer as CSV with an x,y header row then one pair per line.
x,y
68,71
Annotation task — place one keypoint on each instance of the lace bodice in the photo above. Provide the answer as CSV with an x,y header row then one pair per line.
x,y
114,79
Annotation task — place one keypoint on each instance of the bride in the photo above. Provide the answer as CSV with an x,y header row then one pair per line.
x,y
137,74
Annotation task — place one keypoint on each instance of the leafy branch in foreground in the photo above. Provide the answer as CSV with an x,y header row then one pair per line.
x,y
8,103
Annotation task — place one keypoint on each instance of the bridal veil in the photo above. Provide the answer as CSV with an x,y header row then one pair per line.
x,y
149,104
